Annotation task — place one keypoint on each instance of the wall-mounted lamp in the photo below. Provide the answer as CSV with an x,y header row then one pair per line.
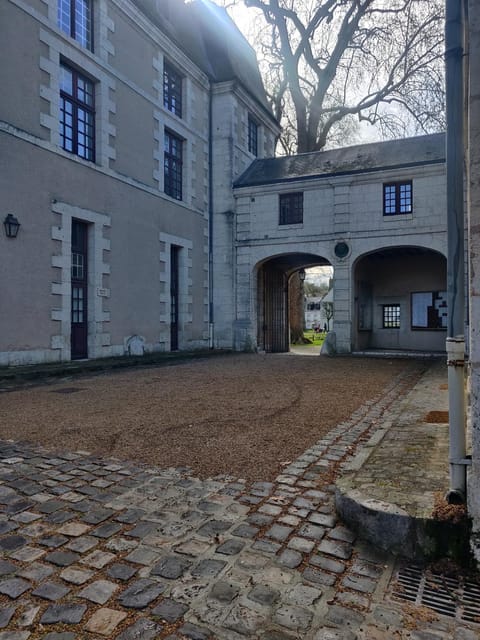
x,y
301,275
12,225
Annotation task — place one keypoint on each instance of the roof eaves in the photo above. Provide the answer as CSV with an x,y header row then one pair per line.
x,y
300,178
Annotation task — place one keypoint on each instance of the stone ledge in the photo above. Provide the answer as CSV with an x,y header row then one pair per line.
x,y
393,529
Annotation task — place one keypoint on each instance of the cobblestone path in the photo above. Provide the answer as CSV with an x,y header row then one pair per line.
x,y
94,548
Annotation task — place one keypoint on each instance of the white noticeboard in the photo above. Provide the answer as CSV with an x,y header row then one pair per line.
x,y
420,304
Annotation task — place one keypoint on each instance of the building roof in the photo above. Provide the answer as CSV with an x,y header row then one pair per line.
x,y
207,34
363,158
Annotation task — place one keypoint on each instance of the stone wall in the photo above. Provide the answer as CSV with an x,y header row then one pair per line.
x,y
473,177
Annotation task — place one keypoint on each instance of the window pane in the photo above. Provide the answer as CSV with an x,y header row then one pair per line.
x,y
252,136
397,198
291,208
77,118
172,90
389,203
74,17
66,131
391,316
64,16
66,80
173,167
405,198
83,23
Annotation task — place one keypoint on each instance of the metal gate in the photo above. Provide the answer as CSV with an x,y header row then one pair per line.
x,y
274,323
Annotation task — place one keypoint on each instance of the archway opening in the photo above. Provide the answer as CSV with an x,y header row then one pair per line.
x,y
400,300
281,298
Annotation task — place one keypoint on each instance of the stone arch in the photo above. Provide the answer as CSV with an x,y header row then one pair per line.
x,y
272,275
399,299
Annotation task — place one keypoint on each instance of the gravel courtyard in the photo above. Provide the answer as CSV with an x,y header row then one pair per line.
x,y
244,415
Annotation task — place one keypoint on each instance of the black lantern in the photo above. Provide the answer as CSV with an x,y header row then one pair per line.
x,y
301,275
12,225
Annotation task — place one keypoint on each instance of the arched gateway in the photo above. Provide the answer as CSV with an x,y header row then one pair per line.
x,y
273,277
376,213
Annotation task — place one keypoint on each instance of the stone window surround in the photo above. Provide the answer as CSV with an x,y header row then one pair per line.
x,y
174,126
98,337
62,52
95,65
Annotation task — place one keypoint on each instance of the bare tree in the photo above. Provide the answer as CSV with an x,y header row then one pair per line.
x,y
328,311
330,64
314,289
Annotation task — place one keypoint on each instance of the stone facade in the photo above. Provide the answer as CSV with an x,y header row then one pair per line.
x,y
148,254
379,260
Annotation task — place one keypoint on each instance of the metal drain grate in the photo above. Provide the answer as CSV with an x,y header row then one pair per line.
x,y
453,597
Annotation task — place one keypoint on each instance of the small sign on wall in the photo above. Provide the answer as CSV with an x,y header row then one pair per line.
x,y
103,293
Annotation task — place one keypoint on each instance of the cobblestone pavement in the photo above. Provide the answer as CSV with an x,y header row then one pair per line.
x,y
95,548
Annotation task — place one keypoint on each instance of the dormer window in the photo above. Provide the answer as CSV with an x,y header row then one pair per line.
x,y
172,89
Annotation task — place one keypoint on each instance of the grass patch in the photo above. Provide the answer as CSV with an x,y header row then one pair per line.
x,y
316,339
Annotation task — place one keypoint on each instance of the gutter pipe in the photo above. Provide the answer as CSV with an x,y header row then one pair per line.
x,y
210,220
455,344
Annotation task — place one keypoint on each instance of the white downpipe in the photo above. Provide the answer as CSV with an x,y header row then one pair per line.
x,y
456,399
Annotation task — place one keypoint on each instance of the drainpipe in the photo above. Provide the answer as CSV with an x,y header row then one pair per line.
x,y
210,221
455,345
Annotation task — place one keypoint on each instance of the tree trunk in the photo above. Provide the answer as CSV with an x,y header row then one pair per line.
x,y
296,315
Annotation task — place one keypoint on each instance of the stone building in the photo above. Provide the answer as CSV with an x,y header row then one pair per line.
x,y
316,315
116,120
376,213
137,155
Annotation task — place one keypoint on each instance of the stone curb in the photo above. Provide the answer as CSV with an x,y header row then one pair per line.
x,y
404,531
